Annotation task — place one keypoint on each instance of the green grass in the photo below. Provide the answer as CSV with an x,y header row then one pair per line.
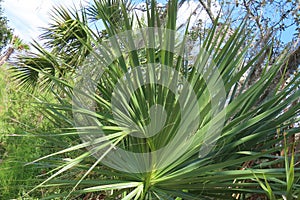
x,y
18,119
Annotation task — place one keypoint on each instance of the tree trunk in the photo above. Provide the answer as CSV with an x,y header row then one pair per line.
x,y
6,56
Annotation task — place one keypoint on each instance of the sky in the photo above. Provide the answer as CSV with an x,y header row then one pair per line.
x,y
26,17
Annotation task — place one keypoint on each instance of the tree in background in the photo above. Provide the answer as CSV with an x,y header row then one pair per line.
x,y
269,22
5,31
8,42
16,44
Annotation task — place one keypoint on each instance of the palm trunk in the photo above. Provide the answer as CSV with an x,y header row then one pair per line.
x,y
6,56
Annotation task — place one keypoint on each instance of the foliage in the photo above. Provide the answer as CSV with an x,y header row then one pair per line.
x,y
18,119
245,157
5,31
64,48
275,22
267,20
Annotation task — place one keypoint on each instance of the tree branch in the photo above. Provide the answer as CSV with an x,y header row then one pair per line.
x,y
208,11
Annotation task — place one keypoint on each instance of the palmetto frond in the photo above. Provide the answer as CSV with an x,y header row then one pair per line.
x,y
33,70
66,35
109,11
65,48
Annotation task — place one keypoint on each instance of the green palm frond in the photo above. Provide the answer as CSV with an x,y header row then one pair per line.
x,y
65,49
226,137
66,35
29,75
109,11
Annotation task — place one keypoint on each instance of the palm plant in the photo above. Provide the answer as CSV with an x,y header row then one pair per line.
x,y
61,52
157,121
65,47
16,44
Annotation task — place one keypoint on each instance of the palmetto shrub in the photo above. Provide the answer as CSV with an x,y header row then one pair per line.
x,y
154,114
